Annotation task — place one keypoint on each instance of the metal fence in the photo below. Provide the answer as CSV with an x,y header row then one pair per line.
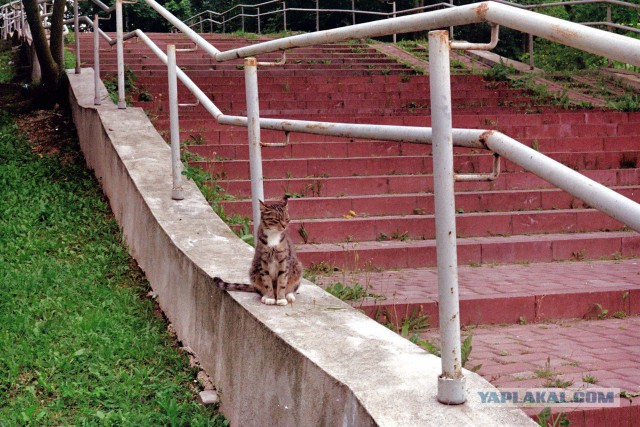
x,y
451,383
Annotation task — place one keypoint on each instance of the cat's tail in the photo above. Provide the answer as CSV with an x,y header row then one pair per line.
x,y
239,287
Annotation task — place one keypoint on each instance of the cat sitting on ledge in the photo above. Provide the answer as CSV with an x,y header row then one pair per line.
x,y
275,271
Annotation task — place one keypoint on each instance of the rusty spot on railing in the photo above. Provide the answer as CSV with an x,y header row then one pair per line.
x,y
482,10
563,34
484,137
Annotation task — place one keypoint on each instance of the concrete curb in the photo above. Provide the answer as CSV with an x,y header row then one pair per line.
x,y
319,362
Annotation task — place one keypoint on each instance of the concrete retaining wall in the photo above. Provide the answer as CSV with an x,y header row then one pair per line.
x,y
316,363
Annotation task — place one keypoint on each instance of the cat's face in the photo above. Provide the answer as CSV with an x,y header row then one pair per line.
x,y
274,216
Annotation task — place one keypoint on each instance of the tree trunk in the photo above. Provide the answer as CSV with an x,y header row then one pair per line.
x,y
56,41
48,65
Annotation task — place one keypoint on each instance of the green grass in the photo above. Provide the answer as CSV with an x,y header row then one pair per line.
x,y
80,342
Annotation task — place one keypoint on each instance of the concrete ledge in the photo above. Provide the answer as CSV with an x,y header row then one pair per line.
x,y
318,362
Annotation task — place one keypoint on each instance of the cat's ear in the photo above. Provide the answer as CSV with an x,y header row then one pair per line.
x,y
262,206
285,198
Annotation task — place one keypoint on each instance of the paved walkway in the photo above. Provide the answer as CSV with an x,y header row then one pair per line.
x,y
578,354
600,348
420,284
603,352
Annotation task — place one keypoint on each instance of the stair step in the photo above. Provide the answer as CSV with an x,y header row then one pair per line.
x,y
422,227
423,204
535,292
473,250
402,184
275,166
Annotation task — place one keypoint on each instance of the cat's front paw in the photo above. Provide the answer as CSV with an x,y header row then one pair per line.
x,y
282,302
291,297
268,301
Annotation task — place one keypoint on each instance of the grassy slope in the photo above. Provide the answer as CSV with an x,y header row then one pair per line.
x,y
79,340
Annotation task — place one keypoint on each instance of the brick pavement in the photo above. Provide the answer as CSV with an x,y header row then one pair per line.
x,y
600,348
529,292
579,353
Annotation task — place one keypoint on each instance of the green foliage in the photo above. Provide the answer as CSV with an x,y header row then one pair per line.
x,y
410,326
69,59
7,72
433,348
552,56
245,35
415,323
547,419
180,8
549,55
214,193
465,351
353,292
131,87
70,38
80,342
629,394
499,73
630,102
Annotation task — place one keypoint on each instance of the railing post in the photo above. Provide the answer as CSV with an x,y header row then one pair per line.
x,y
174,124
23,24
353,12
531,61
451,383
451,28
284,15
609,61
395,36
253,126
258,19
76,30
242,16
317,15
122,104
96,60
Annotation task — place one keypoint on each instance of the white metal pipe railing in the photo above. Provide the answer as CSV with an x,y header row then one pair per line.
x,y
96,60
451,384
253,128
608,23
396,133
584,38
120,55
195,37
76,29
575,35
174,125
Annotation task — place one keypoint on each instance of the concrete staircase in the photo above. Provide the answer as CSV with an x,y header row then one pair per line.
x,y
363,210
369,204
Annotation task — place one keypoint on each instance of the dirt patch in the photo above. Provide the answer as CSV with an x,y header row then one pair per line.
x,y
49,132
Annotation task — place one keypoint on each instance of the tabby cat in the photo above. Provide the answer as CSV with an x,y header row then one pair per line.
x,y
275,271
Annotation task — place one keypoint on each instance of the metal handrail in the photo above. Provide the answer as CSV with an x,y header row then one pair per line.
x,y
441,135
193,21
222,20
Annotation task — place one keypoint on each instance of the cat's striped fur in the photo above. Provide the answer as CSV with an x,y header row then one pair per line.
x,y
275,271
